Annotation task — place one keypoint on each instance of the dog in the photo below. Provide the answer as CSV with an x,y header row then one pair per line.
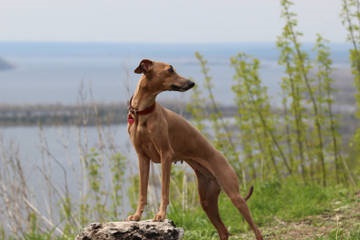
x,y
162,136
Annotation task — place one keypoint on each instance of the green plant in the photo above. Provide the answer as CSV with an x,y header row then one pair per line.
x,y
326,115
350,19
311,126
256,119
94,164
222,137
293,88
117,167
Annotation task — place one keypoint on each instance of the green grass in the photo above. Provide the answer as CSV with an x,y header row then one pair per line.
x,y
341,234
272,204
290,210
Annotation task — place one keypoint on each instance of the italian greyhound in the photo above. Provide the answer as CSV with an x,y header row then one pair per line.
x,y
162,136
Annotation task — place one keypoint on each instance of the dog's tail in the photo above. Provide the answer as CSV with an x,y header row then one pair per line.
x,y
250,193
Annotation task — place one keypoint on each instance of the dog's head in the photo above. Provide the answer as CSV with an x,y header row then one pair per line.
x,y
162,77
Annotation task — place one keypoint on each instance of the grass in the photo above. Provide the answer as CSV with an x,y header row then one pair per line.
x,y
289,210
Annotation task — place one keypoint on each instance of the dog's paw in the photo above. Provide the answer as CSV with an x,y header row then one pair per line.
x,y
134,217
159,217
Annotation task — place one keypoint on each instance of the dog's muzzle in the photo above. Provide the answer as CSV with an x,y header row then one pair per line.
x,y
189,84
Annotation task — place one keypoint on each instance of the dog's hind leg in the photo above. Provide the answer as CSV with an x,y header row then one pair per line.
x,y
209,191
229,183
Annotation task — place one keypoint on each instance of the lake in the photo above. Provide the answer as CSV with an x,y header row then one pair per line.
x,y
55,72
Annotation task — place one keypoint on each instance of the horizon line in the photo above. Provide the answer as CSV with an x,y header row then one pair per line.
x,y
152,42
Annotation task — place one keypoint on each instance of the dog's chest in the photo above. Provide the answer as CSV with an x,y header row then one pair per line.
x,y
143,143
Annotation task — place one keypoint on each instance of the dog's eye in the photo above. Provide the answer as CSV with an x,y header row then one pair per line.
x,y
171,69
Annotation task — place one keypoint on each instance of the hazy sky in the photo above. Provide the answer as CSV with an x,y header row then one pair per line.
x,y
163,20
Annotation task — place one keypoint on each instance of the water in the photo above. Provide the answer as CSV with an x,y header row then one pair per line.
x,y
47,73
54,72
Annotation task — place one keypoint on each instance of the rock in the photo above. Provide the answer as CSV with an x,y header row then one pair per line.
x,y
142,230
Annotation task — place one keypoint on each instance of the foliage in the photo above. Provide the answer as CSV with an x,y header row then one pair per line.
x,y
219,131
57,209
351,20
301,138
277,146
255,120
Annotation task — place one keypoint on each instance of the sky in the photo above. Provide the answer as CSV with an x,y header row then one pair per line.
x,y
170,21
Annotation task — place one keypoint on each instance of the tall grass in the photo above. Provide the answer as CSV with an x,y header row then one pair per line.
x,y
55,196
351,20
299,139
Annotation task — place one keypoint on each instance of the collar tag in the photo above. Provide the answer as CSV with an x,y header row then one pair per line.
x,y
131,120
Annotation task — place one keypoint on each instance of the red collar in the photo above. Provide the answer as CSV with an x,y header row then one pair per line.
x,y
134,111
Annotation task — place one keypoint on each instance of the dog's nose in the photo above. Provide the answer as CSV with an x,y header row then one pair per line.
x,y
191,84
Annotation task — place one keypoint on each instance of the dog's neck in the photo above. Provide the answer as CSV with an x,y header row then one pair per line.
x,y
142,100
136,111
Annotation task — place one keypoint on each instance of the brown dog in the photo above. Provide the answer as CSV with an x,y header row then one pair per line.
x,y
163,136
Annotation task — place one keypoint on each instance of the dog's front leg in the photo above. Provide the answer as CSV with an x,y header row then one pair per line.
x,y
166,160
144,168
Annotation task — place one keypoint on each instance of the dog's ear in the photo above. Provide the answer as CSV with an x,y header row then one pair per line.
x,y
144,66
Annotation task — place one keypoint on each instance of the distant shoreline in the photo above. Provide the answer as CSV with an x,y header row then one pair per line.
x,y
59,114
82,114
104,113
